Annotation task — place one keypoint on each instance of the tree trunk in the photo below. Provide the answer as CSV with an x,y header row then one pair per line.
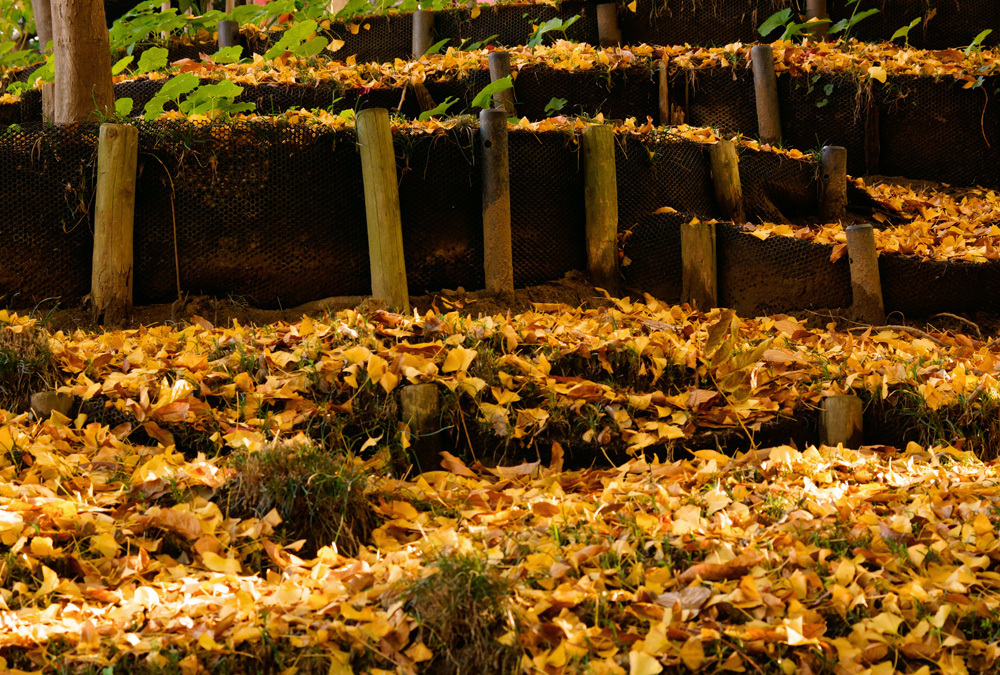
x,y
82,59
43,22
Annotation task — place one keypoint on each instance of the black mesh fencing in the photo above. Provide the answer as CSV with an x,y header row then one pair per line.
x,y
274,215
46,185
949,23
937,130
778,274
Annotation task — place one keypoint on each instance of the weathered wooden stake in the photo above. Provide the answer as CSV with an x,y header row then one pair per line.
x,y
609,35
385,229
600,194
229,33
498,260
765,84
840,421
866,285
49,101
726,178
114,212
833,172
699,279
43,22
500,68
82,61
666,119
816,9
423,31
422,412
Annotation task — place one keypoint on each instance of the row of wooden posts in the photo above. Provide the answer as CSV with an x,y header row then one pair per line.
x,y
111,292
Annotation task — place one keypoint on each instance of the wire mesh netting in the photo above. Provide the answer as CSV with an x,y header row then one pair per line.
x,y
697,22
778,274
546,206
46,185
440,197
273,214
944,23
937,130
916,287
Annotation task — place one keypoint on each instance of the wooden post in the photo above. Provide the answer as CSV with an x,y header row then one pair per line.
x,y
114,212
840,421
385,229
423,32
699,279
609,35
230,6
816,9
833,172
765,84
726,178
229,34
422,413
500,68
498,261
666,119
600,195
43,22
82,61
44,403
49,101
866,285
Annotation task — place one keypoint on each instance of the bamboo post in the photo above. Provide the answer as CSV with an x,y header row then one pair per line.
x,y
841,421
833,172
726,179
229,33
699,278
765,84
609,35
666,119
422,414
500,68
114,212
866,285
498,260
385,229
816,9
600,194
43,23
49,101
423,32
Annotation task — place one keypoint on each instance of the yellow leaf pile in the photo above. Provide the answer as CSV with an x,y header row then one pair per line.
x,y
932,223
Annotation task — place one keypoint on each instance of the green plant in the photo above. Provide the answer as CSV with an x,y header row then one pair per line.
x,y
439,109
319,495
483,98
555,105
845,25
193,99
976,46
904,32
461,609
792,29
299,40
555,25
467,46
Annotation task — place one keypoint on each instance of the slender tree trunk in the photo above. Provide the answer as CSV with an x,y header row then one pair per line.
x,y
82,59
43,22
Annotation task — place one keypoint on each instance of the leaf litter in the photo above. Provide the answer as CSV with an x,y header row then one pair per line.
x,y
120,552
